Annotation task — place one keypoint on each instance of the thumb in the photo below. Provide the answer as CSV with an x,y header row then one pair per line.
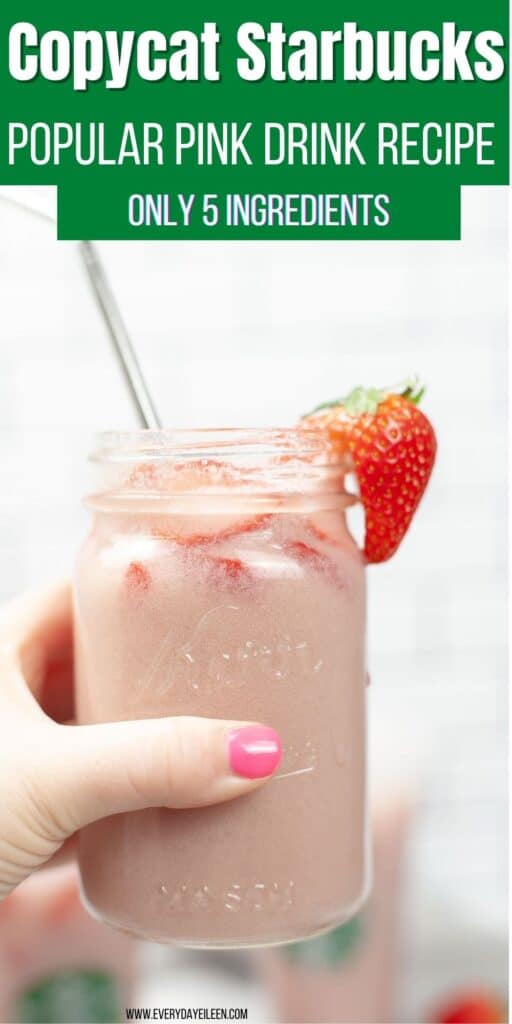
x,y
98,770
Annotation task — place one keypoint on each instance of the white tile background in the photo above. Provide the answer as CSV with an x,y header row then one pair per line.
x,y
254,333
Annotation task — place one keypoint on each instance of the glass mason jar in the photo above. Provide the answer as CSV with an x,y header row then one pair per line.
x,y
220,579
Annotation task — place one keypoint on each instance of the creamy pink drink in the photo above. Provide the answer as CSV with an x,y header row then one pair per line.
x,y
220,579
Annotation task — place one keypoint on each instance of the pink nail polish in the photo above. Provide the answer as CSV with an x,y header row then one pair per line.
x,y
254,751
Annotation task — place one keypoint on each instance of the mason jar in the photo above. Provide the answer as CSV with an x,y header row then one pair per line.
x,y
219,579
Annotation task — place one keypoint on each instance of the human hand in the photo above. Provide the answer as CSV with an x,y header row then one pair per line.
x,y
55,777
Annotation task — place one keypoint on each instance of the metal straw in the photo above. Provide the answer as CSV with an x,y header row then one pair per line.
x,y
122,343
123,346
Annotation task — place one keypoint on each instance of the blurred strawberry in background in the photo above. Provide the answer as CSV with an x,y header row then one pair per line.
x,y
471,1007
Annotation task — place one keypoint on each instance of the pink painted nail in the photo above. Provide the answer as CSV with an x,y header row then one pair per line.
x,y
254,751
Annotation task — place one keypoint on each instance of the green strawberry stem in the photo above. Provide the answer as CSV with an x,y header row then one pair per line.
x,y
367,400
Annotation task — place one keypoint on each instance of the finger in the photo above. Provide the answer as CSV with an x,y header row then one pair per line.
x,y
38,614
65,854
97,770
37,631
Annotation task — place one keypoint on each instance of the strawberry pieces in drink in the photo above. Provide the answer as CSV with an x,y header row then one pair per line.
x,y
138,577
305,553
214,569
233,568
144,477
319,562
183,530
212,519
220,571
393,448
229,570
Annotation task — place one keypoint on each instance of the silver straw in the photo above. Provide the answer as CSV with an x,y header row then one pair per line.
x,y
123,347
35,202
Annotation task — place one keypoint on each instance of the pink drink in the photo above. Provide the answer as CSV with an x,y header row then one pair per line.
x,y
210,587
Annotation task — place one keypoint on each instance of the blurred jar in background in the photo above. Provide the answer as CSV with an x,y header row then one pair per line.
x,y
57,964
349,975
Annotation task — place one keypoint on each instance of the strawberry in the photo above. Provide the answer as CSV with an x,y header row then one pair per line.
x,y
180,529
318,562
227,572
472,1007
138,577
393,448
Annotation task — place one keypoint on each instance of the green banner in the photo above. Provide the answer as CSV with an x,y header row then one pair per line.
x,y
288,120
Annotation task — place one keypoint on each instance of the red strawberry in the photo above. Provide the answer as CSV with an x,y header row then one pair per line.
x,y
393,447
315,559
179,529
138,577
471,1008
228,571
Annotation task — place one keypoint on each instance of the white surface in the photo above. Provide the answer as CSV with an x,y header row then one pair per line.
x,y
255,333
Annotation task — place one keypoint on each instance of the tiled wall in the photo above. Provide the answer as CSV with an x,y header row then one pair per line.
x,y
245,333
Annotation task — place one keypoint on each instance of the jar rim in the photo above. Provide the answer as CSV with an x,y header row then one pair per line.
x,y
189,444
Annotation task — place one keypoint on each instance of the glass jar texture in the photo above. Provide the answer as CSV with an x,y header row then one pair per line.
x,y
219,579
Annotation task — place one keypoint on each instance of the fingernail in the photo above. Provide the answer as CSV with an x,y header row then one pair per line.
x,y
254,751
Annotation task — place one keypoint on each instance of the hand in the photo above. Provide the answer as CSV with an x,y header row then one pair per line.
x,y
55,778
